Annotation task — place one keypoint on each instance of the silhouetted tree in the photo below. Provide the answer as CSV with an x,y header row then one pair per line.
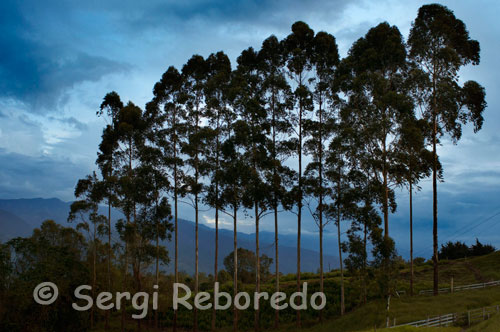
x,y
298,56
440,45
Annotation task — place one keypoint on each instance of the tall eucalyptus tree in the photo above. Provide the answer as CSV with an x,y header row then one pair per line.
x,y
377,63
251,133
414,162
167,109
85,210
298,48
277,98
440,45
194,74
110,107
216,98
234,178
325,58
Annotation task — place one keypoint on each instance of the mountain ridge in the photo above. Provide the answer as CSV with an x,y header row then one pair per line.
x,y
19,217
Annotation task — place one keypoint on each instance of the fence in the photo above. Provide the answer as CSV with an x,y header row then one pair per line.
x,y
466,318
461,288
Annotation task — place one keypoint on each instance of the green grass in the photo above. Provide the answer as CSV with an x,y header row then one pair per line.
x,y
419,329
490,325
407,309
404,309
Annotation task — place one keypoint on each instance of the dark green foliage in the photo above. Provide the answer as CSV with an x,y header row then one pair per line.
x,y
52,253
456,250
246,266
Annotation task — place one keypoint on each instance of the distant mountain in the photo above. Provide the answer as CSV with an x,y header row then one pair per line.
x,y
12,226
36,210
18,217
206,235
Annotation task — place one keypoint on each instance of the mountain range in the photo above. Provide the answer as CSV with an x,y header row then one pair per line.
x,y
18,217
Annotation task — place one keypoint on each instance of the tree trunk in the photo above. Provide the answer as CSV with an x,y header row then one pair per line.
x,y
411,236
157,258
176,235
342,302
257,264
94,277
320,206
364,263
275,208
106,324
386,193
214,313
434,204
299,204
235,272
216,259
196,281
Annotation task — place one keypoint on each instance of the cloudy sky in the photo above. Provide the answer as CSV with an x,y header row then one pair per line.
x,y
59,58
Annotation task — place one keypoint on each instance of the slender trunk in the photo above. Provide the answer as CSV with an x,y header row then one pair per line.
x,y
124,284
94,277
235,272
126,239
214,314
196,281
106,324
257,264
434,208
386,192
176,226
299,203
277,273
157,258
411,233
216,260
275,208
138,281
364,263
320,206
434,183
342,303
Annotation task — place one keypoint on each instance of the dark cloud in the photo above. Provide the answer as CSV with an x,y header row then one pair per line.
x,y
26,176
36,72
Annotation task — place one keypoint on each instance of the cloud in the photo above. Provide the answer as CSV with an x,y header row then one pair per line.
x,y
37,70
24,176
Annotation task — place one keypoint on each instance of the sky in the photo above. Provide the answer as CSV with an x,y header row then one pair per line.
x,y
59,58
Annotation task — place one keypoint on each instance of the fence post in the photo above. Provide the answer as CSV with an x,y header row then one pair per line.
x,y
497,308
394,323
468,317
451,289
484,312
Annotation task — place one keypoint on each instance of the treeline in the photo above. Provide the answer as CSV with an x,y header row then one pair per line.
x,y
290,126
456,250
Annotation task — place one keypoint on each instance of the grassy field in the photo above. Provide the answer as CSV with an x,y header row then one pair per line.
x,y
407,309
372,316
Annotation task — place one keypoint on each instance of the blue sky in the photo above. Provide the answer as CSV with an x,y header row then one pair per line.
x,y
59,58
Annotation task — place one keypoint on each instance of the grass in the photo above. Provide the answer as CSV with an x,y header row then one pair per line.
x,y
420,329
406,308
490,325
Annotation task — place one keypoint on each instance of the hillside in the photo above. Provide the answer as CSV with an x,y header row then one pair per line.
x,y
407,309
18,217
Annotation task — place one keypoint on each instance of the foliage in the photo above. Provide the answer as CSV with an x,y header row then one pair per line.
x,y
459,249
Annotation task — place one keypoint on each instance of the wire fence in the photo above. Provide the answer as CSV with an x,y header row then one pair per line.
x,y
461,288
465,318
